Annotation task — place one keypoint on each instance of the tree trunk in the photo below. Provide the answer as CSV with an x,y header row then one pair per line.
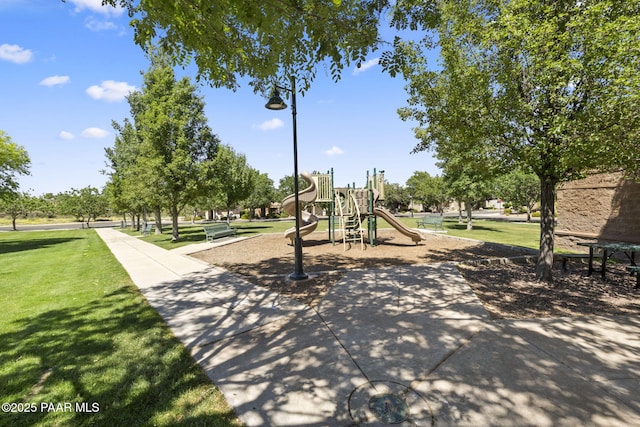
x,y
469,208
459,212
175,232
547,224
158,217
13,223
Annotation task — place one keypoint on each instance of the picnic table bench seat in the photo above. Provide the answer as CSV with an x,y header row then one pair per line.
x,y
214,231
432,220
566,257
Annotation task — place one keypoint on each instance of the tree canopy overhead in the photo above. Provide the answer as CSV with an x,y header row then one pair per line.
x,y
230,39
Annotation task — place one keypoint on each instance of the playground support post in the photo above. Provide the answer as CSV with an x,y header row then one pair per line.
x,y
332,213
372,225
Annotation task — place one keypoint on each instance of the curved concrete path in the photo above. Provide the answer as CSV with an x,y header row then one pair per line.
x,y
416,332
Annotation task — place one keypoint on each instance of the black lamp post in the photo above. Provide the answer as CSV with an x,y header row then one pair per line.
x,y
276,103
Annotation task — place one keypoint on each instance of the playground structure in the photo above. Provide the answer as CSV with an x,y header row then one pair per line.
x,y
349,209
308,221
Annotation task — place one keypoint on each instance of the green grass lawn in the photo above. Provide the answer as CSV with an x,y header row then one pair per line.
x,y
6,220
508,233
195,233
76,331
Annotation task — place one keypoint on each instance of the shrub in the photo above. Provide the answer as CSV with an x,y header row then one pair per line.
x,y
507,211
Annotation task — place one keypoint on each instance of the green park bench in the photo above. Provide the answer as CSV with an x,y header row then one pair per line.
x,y
214,231
431,220
146,230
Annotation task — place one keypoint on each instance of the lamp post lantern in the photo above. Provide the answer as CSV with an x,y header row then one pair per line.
x,y
276,103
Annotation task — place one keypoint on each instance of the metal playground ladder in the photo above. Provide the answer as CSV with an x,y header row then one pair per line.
x,y
350,219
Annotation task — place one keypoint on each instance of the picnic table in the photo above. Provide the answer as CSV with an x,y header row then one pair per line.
x,y
608,249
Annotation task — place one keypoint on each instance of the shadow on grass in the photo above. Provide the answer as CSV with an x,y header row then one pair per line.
x,y
463,227
251,228
115,352
20,245
196,234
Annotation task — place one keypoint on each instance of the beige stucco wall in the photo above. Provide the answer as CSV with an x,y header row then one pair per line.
x,y
601,206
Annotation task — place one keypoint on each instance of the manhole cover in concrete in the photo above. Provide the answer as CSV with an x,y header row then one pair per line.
x,y
389,408
378,403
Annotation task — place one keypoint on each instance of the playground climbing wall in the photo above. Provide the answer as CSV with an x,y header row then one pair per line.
x,y
601,206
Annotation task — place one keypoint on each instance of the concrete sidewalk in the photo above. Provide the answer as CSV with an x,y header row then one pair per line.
x,y
410,345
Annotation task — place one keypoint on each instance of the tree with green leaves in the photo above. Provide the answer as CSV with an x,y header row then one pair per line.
x,y
263,194
396,197
45,205
285,186
166,155
520,188
428,190
125,192
16,205
467,182
14,160
85,204
234,178
549,86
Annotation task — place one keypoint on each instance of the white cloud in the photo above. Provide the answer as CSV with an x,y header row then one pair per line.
x,y
97,25
110,90
364,67
96,6
94,133
15,53
67,136
54,80
271,124
334,151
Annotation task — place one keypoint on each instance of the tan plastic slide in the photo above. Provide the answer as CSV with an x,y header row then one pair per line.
x,y
416,236
308,221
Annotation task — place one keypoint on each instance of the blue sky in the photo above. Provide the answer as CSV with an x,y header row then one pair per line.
x,y
66,67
